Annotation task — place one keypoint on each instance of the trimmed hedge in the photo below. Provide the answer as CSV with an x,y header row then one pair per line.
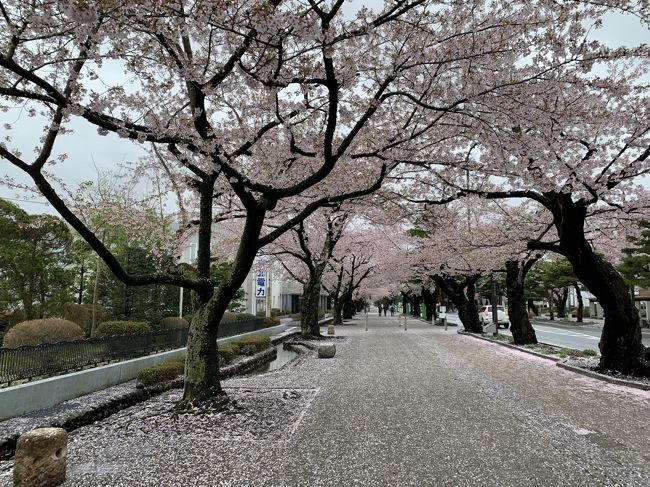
x,y
228,352
270,321
228,317
161,372
108,328
245,316
252,344
174,323
46,330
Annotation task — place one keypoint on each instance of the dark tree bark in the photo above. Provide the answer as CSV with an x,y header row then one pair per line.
x,y
551,310
429,299
311,303
533,307
561,296
462,293
520,327
348,309
337,312
620,343
581,305
417,299
80,294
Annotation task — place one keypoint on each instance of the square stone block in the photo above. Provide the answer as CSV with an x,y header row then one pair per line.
x,y
40,459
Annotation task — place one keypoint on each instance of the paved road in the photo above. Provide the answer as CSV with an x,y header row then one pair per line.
x,y
422,407
569,336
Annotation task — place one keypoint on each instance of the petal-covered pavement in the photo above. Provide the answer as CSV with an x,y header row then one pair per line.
x,y
422,407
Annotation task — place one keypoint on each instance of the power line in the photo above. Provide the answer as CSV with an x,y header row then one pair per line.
x,y
24,201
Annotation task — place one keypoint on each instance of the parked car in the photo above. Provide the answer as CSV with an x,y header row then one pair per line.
x,y
485,316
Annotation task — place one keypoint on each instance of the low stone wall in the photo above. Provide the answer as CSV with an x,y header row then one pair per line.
x,y
32,396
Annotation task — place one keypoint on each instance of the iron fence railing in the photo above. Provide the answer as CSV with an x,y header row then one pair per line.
x,y
30,362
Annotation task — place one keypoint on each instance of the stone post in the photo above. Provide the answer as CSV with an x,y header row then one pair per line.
x,y
40,459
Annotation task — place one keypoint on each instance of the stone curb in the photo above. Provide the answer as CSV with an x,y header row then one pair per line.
x,y
514,347
562,364
83,417
603,377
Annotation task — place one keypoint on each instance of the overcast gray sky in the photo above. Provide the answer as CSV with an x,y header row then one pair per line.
x,y
87,150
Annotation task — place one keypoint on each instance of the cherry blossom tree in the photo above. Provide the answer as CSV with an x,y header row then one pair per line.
x,y
311,244
580,159
353,262
273,105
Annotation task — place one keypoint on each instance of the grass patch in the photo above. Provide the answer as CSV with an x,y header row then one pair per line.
x,y
161,372
253,344
546,349
501,338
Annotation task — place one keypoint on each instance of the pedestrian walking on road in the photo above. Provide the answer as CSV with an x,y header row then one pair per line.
x,y
380,310
385,309
392,310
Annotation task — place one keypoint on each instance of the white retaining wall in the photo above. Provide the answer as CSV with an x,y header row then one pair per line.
x,y
31,396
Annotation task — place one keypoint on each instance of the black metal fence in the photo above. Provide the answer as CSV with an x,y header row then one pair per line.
x,y
27,363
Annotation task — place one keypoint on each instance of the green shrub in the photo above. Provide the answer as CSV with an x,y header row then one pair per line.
x,y
228,317
108,328
276,312
245,316
270,321
174,323
227,353
260,314
252,344
46,330
161,372
588,352
321,314
296,316
82,315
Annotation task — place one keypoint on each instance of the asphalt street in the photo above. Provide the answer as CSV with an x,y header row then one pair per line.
x,y
575,336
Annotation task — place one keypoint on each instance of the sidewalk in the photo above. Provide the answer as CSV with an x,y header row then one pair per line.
x,y
422,407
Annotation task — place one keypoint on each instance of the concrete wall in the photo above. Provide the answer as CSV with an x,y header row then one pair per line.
x,y
31,396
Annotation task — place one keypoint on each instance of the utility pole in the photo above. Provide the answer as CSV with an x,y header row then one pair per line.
x,y
495,313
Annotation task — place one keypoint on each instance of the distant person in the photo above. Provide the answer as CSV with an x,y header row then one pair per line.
x,y
392,310
379,310
385,309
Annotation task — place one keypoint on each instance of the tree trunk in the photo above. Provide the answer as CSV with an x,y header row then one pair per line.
x,y
620,343
202,384
310,303
202,381
581,305
415,312
561,300
429,299
462,295
81,282
348,309
551,314
532,307
520,327
337,311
